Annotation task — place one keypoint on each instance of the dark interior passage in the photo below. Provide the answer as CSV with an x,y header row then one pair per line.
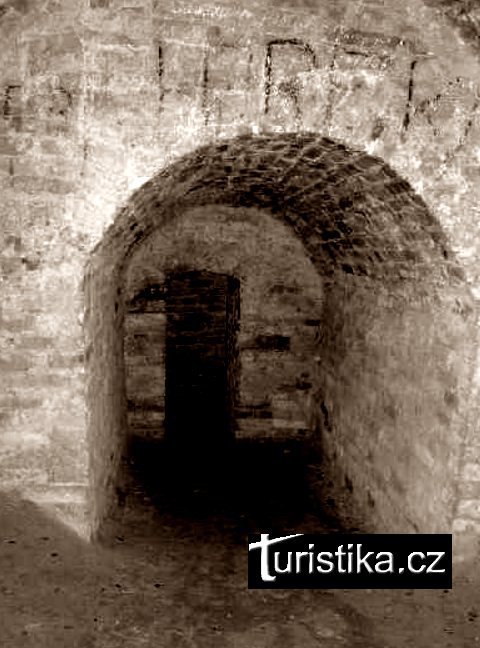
x,y
257,486
200,468
203,467
201,361
222,311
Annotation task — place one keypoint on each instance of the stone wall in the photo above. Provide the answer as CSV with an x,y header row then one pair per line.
x,y
99,97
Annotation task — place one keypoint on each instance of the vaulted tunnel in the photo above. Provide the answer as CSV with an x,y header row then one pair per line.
x,y
388,364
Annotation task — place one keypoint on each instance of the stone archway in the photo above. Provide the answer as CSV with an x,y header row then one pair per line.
x,y
394,366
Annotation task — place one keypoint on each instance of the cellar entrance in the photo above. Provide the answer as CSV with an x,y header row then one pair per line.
x,y
364,352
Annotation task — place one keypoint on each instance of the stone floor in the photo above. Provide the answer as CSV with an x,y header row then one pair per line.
x,y
172,573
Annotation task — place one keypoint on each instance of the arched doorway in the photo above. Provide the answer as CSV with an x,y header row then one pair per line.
x,y
393,363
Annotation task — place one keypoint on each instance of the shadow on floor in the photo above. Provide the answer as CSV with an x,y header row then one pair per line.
x,y
174,591
252,485
179,589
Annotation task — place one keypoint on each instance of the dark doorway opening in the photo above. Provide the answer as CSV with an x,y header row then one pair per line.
x,y
201,367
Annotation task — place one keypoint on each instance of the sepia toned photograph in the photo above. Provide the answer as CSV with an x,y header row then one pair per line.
x,y
239,323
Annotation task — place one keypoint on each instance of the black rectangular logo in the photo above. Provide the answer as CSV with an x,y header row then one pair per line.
x,y
341,561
